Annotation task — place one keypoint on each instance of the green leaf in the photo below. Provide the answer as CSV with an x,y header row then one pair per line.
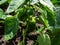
x,y
43,39
2,1
56,2
40,29
56,39
57,12
8,1
22,14
43,16
34,2
47,3
11,27
47,39
14,4
51,17
56,28
2,15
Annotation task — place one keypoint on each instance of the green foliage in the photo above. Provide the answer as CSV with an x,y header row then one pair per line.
x,y
56,40
2,1
11,27
2,15
47,3
28,13
43,39
14,4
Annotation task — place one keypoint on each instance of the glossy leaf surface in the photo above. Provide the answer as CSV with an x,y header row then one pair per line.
x,y
14,4
11,28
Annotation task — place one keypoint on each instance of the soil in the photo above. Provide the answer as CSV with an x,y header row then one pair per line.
x,y
18,37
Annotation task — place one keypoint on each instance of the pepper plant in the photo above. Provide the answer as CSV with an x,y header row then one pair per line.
x,y
38,16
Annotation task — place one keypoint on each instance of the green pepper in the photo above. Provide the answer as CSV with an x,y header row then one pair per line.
x,y
32,23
